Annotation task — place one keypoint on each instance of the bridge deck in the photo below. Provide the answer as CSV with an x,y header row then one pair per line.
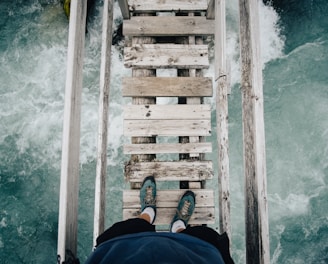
x,y
168,140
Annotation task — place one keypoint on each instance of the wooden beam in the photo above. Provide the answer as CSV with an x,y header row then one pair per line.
x,y
256,214
170,170
167,148
146,6
124,9
167,86
210,14
166,56
168,26
168,198
222,87
101,170
148,128
69,179
167,112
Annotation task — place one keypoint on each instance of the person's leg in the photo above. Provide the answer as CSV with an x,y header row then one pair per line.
x,y
221,242
136,225
180,221
130,226
148,199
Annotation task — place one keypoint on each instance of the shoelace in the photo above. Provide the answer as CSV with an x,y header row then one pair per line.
x,y
184,212
149,199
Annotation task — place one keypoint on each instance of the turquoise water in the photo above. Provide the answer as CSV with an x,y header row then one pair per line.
x,y
33,45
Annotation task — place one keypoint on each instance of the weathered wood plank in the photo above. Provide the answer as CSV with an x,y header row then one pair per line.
x,y
167,112
168,198
222,85
148,128
170,170
168,26
200,216
167,5
167,86
256,207
164,56
69,178
124,8
101,170
205,147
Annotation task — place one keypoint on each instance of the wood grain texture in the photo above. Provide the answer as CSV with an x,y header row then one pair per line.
x,y
167,86
168,26
170,170
169,128
167,5
167,112
165,56
256,214
205,147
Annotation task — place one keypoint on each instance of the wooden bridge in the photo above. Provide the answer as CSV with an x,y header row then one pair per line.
x,y
168,137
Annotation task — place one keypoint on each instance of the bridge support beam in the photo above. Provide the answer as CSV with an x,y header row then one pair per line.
x,y
69,180
256,208
101,173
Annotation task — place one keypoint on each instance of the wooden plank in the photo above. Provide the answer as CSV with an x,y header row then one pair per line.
x,y
167,5
101,170
148,128
69,178
205,147
124,8
168,198
167,86
222,84
167,201
164,215
167,112
166,56
256,207
168,26
169,170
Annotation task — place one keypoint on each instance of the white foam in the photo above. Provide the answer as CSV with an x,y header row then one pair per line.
x,y
35,93
292,205
272,42
3,222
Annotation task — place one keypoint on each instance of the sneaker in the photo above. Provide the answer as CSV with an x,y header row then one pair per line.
x,y
185,208
148,194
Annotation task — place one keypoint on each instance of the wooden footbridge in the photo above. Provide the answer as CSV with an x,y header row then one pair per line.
x,y
168,137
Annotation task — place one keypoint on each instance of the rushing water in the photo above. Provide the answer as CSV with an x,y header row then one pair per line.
x,y
33,46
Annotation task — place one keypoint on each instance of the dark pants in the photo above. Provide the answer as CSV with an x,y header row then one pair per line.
x,y
137,225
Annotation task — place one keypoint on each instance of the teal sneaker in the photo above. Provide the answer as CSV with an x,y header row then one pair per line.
x,y
148,194
185,208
